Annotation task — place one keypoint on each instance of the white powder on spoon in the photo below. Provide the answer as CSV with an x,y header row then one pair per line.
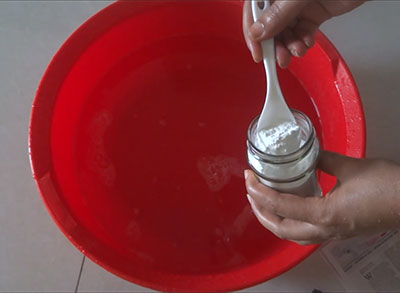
x,y
280,140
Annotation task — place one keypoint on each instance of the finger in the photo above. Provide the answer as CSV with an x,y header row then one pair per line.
x,y
310,242
309,40
258,190
287,228
337,165
305,31
246,19
277,17
254,47
295,45
282,54
256,52
306,209
266,218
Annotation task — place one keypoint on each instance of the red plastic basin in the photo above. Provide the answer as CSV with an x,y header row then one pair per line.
x,y
138,134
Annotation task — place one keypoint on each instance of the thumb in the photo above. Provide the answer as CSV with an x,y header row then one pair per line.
x,y
337,165
277,17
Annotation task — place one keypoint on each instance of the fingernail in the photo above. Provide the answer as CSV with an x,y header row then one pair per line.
x,y
257,30
257,60
308,42
294,52
246,174
249,199
278,59
281,63
252,53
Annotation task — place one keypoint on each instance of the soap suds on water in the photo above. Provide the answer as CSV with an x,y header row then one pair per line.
x,y
218,170
280,140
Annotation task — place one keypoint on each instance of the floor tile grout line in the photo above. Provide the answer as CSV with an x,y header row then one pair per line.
x,y
80,273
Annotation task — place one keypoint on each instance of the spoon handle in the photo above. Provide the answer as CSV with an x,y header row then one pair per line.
x,y
275,110
268,47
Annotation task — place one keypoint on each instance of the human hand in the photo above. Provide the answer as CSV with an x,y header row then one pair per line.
x,y
365,199
293,23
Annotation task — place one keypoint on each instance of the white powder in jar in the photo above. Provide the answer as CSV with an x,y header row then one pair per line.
x,y
280,140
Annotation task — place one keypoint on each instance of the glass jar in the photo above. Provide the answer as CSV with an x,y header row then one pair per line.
x,y
290,173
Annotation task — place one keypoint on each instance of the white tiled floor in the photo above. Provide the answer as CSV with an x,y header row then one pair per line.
x,y
34,255
96,279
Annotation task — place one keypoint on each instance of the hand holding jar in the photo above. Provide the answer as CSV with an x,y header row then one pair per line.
x,y
366,199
